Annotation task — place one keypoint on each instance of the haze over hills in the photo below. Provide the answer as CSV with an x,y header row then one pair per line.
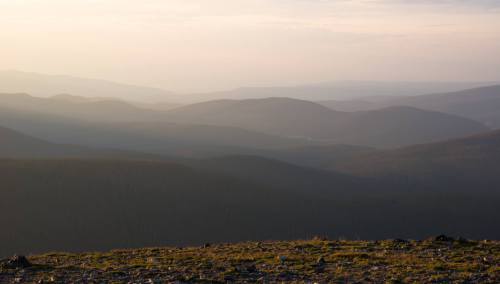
x,y
104,173
389,127
81,108
481,104
342,90
43,85
474,159
281,116
163,131
16,145
37,84
401,126
151,137
255,123
103,204
460,164
162,106
103,199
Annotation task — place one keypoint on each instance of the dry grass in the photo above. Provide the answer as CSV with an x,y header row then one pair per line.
x,y
322,261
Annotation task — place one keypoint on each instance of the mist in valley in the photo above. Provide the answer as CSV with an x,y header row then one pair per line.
x,y
129,125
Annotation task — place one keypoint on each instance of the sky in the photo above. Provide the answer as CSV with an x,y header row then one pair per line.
x,y
208,45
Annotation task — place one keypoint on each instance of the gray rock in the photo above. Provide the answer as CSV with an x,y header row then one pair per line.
x,y
16,262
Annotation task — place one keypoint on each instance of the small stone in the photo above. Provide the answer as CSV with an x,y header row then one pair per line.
x,y
320,238
400,241
17,262
281,258
488,259
320,269
252,268
152,260
320,261
443,238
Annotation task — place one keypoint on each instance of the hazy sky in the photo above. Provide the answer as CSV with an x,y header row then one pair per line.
x,y
198,45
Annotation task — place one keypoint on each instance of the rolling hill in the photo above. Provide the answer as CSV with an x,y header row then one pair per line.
x,y
465,163
82,205
43,85
81,108
339,90
281,116
480,104
149,137
401,126
390,127
350,105
100,201
16,145
272,117
471,162
319,156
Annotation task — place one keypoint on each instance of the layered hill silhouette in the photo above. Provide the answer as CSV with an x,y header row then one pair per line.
x,y
12,81
340,90
480,104
103,202
16,145
282,116
98,204
150,137
87,109
255,123
103,173
463,163
395,126
156,106
400,126
474,159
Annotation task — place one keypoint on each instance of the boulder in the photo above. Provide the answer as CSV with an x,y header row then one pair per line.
x,y
16,262
443,238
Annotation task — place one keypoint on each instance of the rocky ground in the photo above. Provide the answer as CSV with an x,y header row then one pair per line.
x,y
437,260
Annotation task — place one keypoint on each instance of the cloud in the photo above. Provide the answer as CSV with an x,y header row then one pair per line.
x,y
449,5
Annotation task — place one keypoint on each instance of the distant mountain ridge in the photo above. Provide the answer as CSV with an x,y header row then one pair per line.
x,y
43,85
13,81
481,104
151,137
85,109
340,90
473,159
16,145
262,120
281,116
390,127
